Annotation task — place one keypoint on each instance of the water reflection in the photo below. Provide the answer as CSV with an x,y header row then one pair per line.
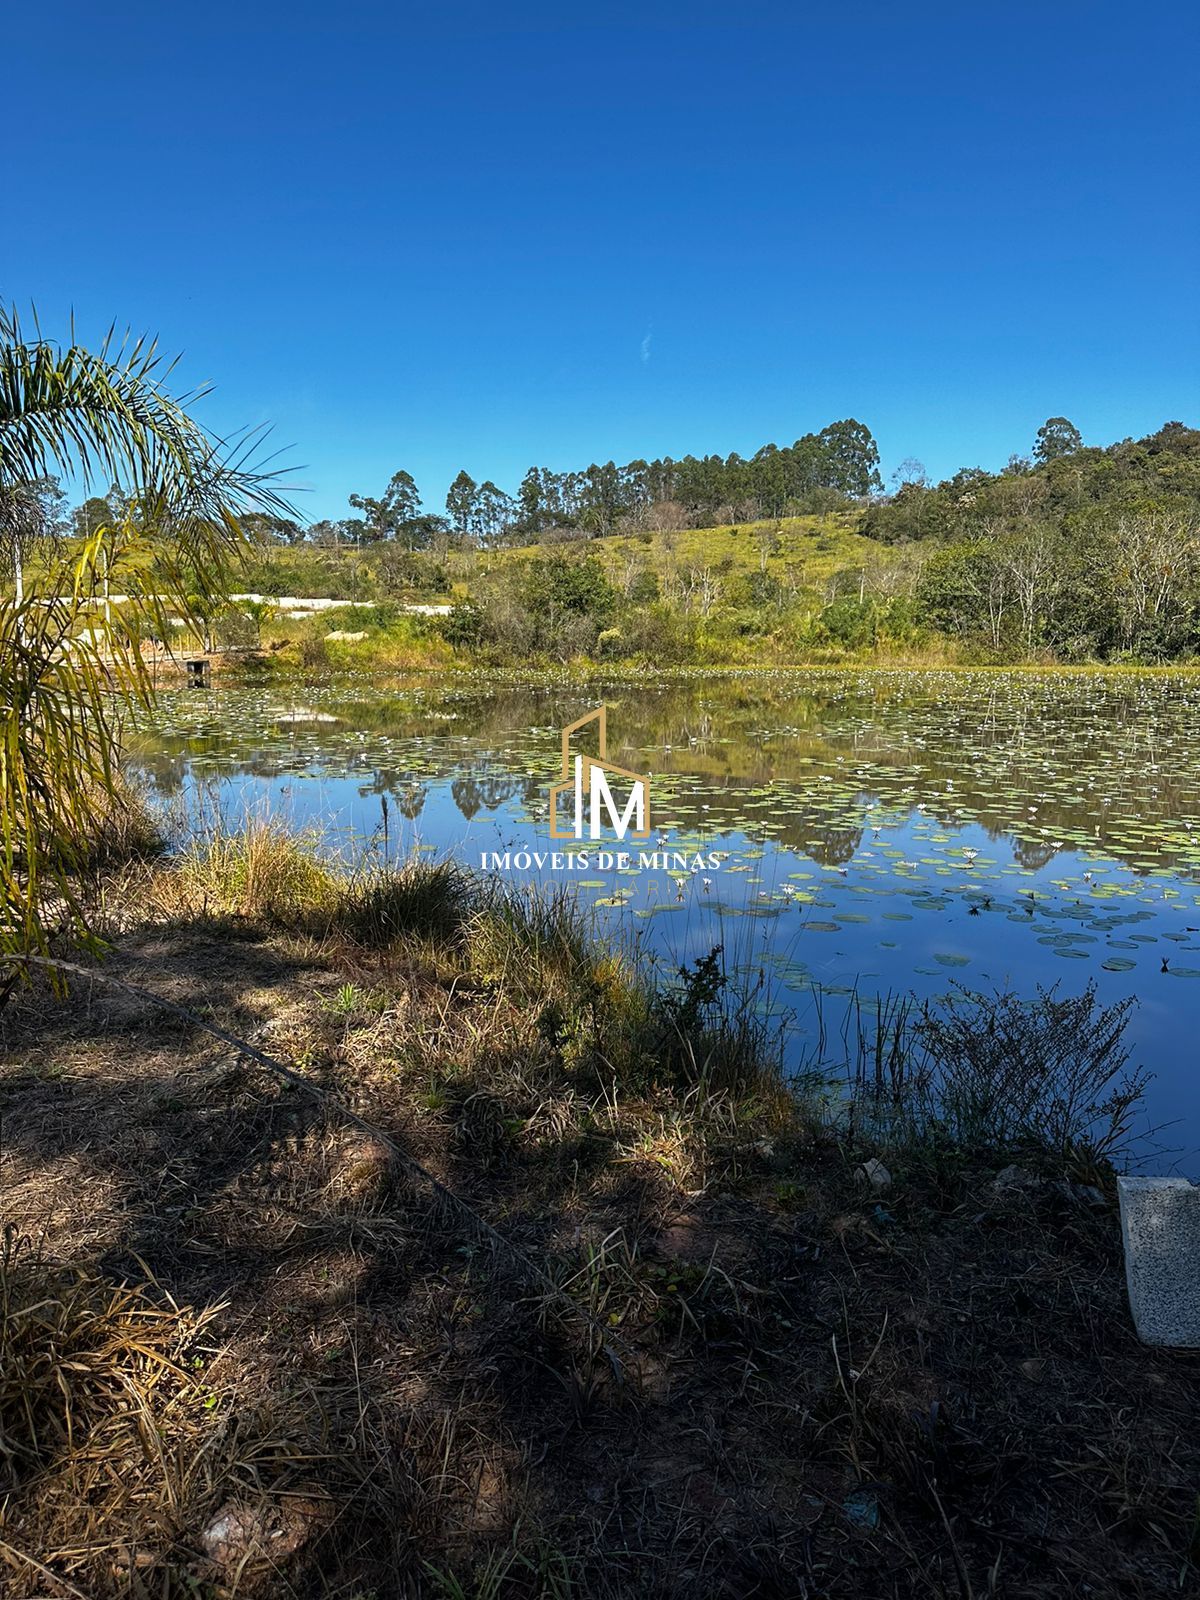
x,y
884,830
1027,759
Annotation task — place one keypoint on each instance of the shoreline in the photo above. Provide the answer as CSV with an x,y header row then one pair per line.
x,y
245,670
805,1354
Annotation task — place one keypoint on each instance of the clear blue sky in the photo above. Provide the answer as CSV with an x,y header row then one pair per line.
x,y
486,236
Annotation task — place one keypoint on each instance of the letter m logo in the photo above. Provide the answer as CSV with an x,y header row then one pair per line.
x,y
594,789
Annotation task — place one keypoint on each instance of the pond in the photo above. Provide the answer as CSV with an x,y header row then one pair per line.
x,y
879,832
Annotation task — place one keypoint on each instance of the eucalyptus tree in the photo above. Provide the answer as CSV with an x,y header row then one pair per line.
x,y
1056,437
460,502
396,514
69,665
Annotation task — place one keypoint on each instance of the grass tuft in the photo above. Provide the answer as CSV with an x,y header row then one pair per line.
x,y
999,1074
262,872
422,899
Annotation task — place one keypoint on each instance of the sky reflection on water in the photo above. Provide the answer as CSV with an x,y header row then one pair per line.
x,y
884,832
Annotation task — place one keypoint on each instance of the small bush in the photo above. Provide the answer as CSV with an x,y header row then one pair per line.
x,y
999,1075
705,1033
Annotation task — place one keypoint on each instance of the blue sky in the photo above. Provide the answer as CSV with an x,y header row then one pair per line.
x,y
469,235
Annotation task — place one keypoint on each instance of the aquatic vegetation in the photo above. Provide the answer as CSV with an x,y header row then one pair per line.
x,y
1001,1073
879,830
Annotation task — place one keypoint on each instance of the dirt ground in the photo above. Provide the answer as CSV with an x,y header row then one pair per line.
x,y
775,1381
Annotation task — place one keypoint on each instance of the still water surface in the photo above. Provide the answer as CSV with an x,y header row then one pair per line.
x,y
883,832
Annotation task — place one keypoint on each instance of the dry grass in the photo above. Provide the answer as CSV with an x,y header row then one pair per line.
x,y
782,1385
100,1412
263,871
127,827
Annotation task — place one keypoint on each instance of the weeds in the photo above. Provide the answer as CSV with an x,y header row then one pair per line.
x,y
763,1378
1048,1073
994,1073
527,1566
707,1033
126,827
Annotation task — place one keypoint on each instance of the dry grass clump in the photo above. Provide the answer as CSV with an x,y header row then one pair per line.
x,y
135,1457
73,1350
265,873
99,1410
126,826
262,872
534,945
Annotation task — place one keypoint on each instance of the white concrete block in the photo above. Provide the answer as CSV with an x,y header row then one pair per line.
x,y
1160,1226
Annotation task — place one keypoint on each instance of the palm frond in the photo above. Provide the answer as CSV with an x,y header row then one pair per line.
x,y
107,416
68,668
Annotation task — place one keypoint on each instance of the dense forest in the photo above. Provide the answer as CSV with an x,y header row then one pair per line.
x,y
1079,552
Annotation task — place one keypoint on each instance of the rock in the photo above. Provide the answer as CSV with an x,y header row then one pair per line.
x,y
684,1238
1160,1228
1083,1194
1014,1179
874,1172
244,1534
1018,1183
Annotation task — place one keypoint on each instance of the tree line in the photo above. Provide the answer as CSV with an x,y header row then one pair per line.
x,y
1077,552
819,472
1072,552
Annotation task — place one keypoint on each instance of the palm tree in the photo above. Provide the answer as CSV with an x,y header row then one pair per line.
x,y
69,668
26,520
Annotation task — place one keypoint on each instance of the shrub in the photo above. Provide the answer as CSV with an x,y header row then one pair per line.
x,y
644,590
463,626
996,1073
756,590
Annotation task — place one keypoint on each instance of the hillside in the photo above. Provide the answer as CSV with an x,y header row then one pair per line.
x,y
806,551
809,549
1081,554
737,593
